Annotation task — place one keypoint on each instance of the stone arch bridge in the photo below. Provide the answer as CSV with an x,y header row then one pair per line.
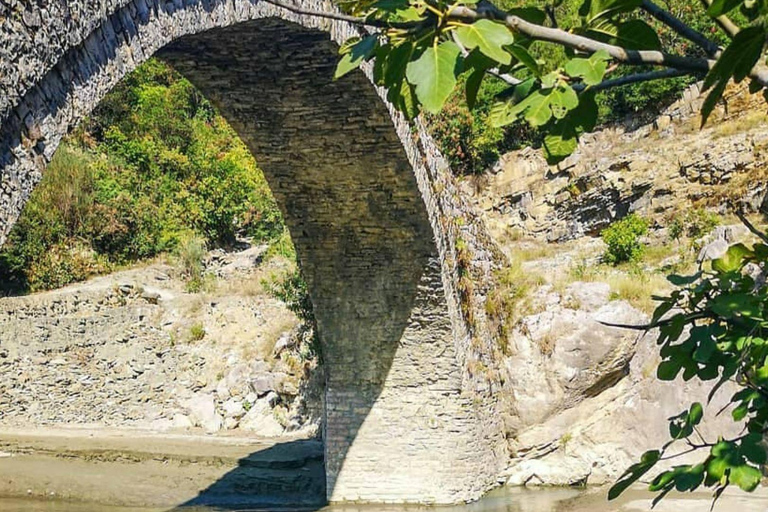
x,y
367,200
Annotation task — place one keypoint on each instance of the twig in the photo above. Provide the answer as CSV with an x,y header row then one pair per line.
x,y
744,220
335,15
638,78
723,21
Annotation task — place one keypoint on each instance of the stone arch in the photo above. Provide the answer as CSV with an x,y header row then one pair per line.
x,y
358,194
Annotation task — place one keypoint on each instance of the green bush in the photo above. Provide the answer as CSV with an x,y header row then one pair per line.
x,y
154,165
693,224
623,239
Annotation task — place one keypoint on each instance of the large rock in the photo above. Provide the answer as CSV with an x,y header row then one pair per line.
x,y
202,412
260,420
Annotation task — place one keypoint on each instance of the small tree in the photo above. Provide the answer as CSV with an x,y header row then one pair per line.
x,y
623,239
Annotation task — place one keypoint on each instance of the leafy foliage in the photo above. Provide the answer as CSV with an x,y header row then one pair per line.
x,y
153,167
424,49
623,239
711,328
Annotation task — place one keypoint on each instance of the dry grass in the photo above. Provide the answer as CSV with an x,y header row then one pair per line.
x,y
637,288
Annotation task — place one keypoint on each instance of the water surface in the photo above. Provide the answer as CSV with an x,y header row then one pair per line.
x,y
502,500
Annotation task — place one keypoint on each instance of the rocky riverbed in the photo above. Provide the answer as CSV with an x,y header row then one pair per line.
x,y
134,349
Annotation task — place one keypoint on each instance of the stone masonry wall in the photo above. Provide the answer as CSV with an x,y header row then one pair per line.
x,y
370,207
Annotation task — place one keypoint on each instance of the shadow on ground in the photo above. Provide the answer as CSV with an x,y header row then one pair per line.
x,y
286,475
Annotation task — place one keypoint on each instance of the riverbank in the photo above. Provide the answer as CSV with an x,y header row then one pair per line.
x,y
138,468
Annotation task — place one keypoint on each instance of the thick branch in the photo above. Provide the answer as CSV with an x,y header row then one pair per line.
x,y
584,44
723,21
680,27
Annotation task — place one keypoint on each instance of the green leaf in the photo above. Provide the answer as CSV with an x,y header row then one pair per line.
x,y
562,100
355,54
599,9
537,111
736,257
472,87
521,54
732,305
736,61
668,370
746,477
633,474
489,37
632,34
530,14
559,145
434,75
719,7
504,113
695,414
711,100
590,70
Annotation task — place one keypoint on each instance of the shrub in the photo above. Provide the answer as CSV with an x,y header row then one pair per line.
x,y
623,239
154,165
190,256
693,224
196,332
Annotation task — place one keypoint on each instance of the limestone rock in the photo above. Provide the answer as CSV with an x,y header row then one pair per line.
x,y
260,420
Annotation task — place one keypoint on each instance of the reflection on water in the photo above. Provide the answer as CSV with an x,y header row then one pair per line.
x,y
501,500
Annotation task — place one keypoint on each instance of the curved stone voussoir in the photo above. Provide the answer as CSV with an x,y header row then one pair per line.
x,y
359,192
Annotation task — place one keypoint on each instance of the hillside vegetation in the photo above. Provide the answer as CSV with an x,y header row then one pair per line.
x,y
153,168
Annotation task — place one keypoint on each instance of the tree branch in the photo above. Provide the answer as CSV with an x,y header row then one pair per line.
x,y
680,27
354,20
486,10
637,78
744,220
723,21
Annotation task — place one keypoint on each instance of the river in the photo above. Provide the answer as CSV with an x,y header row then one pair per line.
x,y
501,500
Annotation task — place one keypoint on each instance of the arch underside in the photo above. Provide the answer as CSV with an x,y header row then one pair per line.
x,y
399,426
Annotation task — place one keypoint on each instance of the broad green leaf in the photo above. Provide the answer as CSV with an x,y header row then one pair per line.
x,y
504,113
668,370
600,9
712,98
590,70
538,111
633,474
472,86
434,75
719,7
632,34
735,258
695,414
530,14
559,146
738,59
732,305
355,54
563,100
746,477
521,54
489,37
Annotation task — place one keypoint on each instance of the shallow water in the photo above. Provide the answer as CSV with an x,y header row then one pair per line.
x,y
503,500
